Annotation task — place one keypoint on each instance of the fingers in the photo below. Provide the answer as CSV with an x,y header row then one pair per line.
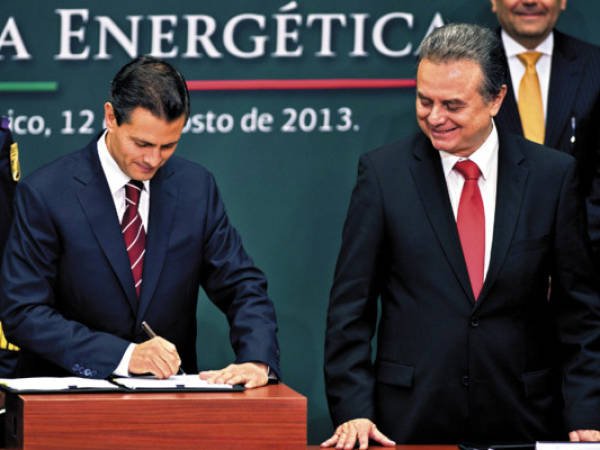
x,y
346,435
250,374
378,436
363,437
157,356
331,441
584,436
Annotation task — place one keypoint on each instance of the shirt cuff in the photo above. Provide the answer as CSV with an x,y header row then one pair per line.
x,y
271,374
122,369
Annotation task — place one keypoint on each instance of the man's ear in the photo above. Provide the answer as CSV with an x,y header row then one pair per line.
x,y
497,101
109,116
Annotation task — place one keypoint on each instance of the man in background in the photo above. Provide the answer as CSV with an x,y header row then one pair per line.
x,y
123,232
553,91
456,232
10,173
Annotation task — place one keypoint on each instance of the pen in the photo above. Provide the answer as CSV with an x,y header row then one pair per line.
x,y
573,126
151,334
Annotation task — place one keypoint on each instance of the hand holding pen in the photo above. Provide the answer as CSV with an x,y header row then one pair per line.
x,y
157,356
151,334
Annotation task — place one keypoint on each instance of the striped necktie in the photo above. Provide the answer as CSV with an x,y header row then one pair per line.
x,y
133,232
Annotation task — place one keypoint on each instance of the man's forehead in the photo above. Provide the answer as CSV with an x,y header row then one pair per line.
x,y
449,75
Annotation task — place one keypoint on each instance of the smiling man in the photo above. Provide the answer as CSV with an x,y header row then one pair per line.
x,y
562,109
123,232
455,232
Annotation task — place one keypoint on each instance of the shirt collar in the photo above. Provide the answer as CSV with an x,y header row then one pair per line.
x,y
115,177
513,48
484,156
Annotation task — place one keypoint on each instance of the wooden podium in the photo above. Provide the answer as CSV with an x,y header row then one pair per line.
x,y
269,417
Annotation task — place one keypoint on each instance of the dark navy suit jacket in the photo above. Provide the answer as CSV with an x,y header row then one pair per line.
x,y
573,111
8,358
7,184
509,367
67,295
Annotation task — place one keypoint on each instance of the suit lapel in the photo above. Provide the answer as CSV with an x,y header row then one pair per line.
x,y
428,176
98,206
512,176
163,199
509,118
565,76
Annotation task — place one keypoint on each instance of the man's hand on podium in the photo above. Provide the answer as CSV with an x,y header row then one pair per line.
x,y
362,429
157,356
584,436
250,374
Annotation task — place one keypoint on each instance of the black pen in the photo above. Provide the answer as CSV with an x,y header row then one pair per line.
x,y
151,334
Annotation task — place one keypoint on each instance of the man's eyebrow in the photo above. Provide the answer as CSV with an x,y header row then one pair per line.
x,y
140,140
145,142
453,101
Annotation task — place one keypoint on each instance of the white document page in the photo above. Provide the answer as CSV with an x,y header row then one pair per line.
x,y
567,445
55,383
175,381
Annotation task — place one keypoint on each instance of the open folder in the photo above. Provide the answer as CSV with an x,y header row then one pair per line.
x,y
56,384
175,382
69,385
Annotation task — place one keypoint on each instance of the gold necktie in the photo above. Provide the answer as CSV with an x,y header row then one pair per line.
x,y
531,108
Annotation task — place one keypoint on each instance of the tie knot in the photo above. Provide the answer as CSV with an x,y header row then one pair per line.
x,y
468,169
529,59
133,189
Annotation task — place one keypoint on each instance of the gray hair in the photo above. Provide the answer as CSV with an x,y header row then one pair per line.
x,y
481,45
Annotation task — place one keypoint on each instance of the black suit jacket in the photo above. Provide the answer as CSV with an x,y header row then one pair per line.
x,y
573,110
448,368
67,296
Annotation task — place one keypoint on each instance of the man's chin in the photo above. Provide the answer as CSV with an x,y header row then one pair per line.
x,y
142,175
532,29
442,145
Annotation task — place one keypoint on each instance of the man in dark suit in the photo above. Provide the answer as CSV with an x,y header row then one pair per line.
x,y
568,72
456,231
77,283
10,173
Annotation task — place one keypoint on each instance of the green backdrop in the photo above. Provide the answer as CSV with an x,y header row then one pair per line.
x,y
286,186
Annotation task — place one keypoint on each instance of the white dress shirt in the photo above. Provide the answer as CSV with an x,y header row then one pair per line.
x,y
486,158
117,180
542,67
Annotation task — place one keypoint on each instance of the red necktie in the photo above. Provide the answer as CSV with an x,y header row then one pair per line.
x,y
133,232
470,221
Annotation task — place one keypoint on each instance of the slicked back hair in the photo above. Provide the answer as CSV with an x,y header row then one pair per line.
x,y
151,84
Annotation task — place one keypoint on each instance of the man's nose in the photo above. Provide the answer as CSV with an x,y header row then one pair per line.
x,y
152,156
437,115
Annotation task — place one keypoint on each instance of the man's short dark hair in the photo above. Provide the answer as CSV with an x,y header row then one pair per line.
x,y
152,84
481,45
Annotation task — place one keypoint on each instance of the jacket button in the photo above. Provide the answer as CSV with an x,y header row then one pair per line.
x,y
466,381
475,322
